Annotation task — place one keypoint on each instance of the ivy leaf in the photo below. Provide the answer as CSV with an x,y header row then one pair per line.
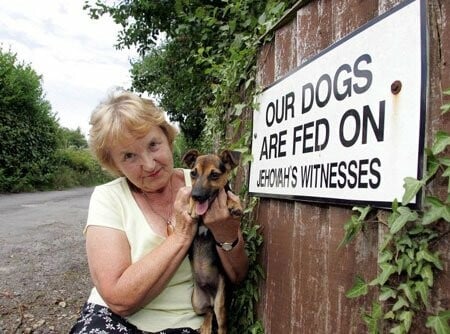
x,y
412,187
405,216
354,225
416,230
386,293
437,210
433,165
389,315
445,108
238,109
446,172
371,319
405,240
439,323
363,211
427,275
445,161
406,317
400,329
401,302
441,141
249,82
408,291
386,241
386,271
359,288
422,289
403,263
385,256
426,255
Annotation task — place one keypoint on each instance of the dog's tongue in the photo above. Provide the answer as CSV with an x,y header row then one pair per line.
x,y
201,208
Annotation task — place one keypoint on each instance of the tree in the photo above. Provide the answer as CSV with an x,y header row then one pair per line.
x,y
184,72
168,70
27,127
72,138
182,91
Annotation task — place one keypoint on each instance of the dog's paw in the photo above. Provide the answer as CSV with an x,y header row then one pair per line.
x,y
236,212
193,215
191,210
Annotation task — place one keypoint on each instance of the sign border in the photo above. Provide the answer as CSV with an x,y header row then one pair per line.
x,y
422,118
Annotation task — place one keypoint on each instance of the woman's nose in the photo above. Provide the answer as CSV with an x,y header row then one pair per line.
x,y
148,162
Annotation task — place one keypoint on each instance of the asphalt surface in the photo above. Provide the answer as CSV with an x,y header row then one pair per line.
x,y
44,279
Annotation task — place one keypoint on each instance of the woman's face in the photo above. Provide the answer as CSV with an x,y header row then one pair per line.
x,y
147,162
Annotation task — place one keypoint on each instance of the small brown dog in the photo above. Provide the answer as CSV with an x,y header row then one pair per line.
x,y
209,174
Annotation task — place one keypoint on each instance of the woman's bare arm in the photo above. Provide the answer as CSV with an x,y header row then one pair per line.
x,y
126,286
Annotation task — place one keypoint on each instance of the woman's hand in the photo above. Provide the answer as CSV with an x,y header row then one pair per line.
x,y
218,219
226,228
185,226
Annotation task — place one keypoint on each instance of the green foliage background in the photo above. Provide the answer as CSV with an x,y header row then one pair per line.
x,y
27,127
36,153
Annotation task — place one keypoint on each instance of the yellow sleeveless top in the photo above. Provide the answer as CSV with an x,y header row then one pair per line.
x,y
112,205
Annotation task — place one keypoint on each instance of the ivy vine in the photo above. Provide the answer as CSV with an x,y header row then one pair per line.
x,y
232,66
407,260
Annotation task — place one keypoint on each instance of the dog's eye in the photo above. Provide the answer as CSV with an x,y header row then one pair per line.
x,y
194,174
214,176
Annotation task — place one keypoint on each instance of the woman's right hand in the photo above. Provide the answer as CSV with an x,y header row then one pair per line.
x,y
185,226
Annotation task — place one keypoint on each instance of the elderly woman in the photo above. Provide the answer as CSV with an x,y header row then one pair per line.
x,y
141,274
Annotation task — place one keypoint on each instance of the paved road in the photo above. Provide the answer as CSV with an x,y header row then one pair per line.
x,y
44,277
25,212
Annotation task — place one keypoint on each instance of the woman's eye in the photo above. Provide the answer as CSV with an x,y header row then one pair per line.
x,y
153,145
128,156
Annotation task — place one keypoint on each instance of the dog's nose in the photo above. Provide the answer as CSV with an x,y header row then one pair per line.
x,y
199,195
199,198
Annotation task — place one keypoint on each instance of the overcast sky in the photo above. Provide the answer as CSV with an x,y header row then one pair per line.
x,y
74,54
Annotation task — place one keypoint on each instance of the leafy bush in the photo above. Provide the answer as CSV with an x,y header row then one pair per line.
x,y
36,153
77,167
27,128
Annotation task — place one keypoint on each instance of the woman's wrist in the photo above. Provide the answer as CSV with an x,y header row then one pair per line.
x,y
228,245
183,241
225,236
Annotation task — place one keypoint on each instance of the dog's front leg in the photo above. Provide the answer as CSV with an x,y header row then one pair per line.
x,y
219,307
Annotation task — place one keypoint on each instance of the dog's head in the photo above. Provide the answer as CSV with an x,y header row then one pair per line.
x,y
209,174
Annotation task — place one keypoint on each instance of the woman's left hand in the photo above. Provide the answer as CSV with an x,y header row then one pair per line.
x,y
218,219
226,228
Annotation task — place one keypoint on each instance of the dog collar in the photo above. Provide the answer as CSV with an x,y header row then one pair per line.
x,y
227,246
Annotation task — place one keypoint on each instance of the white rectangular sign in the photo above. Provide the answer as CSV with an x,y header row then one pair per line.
x,y
347,126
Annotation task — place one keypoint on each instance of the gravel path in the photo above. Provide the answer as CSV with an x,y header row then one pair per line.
x,y
44,279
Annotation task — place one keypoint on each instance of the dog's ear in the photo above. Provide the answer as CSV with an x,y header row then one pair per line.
x,y
230,158
190,157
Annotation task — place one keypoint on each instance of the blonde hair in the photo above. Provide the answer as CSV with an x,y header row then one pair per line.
x,y
122,116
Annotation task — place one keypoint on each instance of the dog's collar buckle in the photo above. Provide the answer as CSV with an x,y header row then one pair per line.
x,y
227,246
